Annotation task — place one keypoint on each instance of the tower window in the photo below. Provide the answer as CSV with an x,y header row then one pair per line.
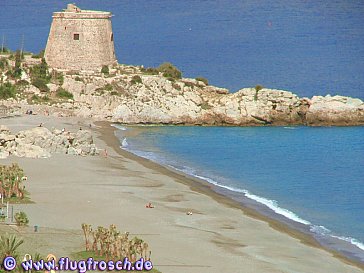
x,y
112,37
76,36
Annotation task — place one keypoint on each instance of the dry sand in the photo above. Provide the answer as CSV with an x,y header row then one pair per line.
x,y
219,237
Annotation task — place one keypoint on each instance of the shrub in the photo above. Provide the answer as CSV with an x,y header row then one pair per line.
x,y
39,75
40,84
108,87
78,79
136,79
202,79
206,106
105,70
37,99
114,93
39,55
21,218
150,71
7,90
170,71
3,63
57,77
257,89
5,50
64,94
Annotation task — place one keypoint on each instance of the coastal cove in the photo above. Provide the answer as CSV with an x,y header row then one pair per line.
x,y
306,188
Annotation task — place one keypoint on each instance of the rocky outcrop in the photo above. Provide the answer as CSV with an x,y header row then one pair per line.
x,y
133,97
40,142
336,110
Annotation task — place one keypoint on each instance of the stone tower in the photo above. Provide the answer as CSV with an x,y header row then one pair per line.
x,y
80,40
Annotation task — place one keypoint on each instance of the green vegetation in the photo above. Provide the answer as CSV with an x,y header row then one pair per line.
x,y
202,79
40,77
108,87
114,93
21,218
3,63
105,70
40,84
5,50
15,72
170,71
257,89
111,243
9,245
136,79
39,55
38,99
11,181
78,79
7,90
150,71
57,77
64,94
205,106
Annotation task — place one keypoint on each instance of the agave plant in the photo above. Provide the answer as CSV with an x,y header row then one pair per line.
x,y
21,218
9,245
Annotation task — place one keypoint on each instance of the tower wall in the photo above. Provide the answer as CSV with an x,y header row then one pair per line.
x,y
80,40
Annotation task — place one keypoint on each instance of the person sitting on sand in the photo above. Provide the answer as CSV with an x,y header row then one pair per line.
x,y
149,206
189,212
41,124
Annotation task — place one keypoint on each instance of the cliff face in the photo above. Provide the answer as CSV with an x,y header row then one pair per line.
x,y
155,99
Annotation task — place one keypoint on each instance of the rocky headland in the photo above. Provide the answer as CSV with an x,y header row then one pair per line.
x,y
134,95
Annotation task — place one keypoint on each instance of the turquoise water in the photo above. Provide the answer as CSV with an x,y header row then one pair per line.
x,y
308,47
312,176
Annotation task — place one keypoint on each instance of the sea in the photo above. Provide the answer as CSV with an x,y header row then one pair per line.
x,y
309,178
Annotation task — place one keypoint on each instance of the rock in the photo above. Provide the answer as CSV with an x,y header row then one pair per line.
x,y
4,129
33,151
72,151
4,154
52,87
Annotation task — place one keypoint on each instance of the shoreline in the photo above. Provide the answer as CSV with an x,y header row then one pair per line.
x,y
107,134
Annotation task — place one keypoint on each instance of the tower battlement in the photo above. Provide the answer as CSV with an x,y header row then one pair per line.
x,y
80,40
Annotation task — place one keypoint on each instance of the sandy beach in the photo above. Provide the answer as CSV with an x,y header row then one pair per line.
x,y
220,236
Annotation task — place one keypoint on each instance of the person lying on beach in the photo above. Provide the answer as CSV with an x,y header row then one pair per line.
x,y
149,206
189,212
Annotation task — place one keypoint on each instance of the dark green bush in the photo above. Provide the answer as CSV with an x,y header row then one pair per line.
x,y
64,94
202,79
108,87
41,84
39,75
150,71
257,89
39,55
78,79
170,71
136,79
105,70
3,63
7,90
